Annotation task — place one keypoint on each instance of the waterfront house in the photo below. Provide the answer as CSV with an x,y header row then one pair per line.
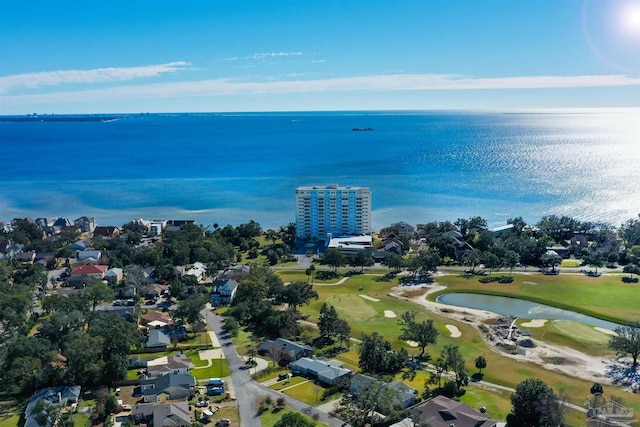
x,y
85,224
108,232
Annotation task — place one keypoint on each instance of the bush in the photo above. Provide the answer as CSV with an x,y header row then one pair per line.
x,y
505,279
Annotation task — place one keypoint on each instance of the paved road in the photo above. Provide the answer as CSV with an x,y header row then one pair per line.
x,y
247,390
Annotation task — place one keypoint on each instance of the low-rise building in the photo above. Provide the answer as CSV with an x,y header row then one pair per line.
x,y
441,411
283,349
327,372
175,414
61,396
170,386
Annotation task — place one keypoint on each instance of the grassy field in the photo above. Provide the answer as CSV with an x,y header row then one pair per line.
x,y
366,316
307,392
11,406
575,335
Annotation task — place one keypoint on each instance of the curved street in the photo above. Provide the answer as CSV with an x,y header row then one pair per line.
x,y
247,390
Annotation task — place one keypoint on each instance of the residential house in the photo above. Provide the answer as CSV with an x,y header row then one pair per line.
x,y
125,291
81,245
403,396
85,224
168,365
404,227
63,396
223,291
236,273
157,338
46,259
25,257
159,414
283,349
156,316
155,290
175,224
444,412
89,272
198,270
108,232
167,387
114,275
93,256
461,247
327,372
562,251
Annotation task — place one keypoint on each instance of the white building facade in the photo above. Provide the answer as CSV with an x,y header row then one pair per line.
x,y
331,209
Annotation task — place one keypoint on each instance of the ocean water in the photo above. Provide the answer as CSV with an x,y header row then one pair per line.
x,y
230,168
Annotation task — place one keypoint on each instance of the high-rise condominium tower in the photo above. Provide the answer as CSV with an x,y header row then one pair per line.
x,y
341,211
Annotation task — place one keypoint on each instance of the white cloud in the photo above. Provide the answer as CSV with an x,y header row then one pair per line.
x,y
273,55
97,75
397,82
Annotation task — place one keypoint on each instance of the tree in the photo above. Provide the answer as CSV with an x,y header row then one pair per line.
x,y
594,260
298,293
394,261
334,258
294,419
551,259
330,325
424,262
455,362
534,404
376,356
424,333
188,311
630,231
363,408
627,341
473,258
596,388
510,260
45,413
491,261
361,260
98,292
481,363
134,276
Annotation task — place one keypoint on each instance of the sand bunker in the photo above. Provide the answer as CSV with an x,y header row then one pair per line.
x,y
605,331
535,323
390,313
370,298
412,343
455,332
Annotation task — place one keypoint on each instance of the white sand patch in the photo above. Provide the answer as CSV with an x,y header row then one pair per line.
x,y
412,343
605,331
390,313
535,323
455,332
370,298
529,283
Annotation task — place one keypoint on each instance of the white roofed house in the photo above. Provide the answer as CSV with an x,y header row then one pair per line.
x,y
85,224
350,246
223,291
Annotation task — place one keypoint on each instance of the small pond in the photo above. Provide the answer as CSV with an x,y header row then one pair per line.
x,y
520,308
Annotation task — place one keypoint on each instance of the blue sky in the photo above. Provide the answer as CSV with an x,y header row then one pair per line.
x,y
143,56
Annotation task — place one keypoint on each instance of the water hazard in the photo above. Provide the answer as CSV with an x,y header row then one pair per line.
x,y
520,308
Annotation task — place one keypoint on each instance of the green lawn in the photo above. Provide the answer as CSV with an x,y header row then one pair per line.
x,y
11,421
288,383
308,393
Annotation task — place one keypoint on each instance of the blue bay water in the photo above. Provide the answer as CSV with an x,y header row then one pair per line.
x,y
420,166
